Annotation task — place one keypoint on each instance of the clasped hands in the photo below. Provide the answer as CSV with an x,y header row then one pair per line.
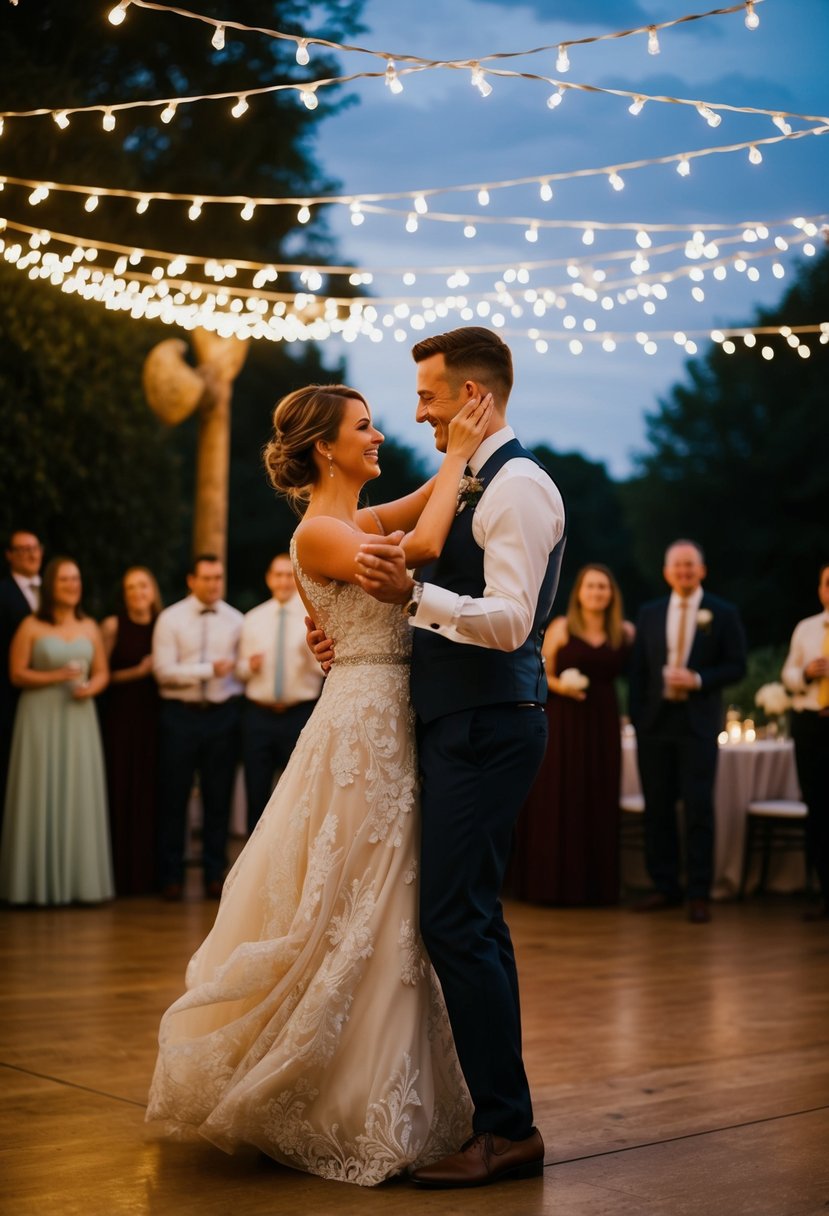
x,y
681,678
381,571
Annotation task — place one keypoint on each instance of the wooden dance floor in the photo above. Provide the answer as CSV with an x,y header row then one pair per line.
x,y
677,1070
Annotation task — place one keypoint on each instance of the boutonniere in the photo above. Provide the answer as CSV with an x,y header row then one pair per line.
x,y
704,618
470,490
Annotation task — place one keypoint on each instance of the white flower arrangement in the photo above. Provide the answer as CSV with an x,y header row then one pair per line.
x,y
772,699
704,618
571,677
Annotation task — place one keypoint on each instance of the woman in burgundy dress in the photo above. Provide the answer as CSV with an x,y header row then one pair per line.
x,y
567,837
131,733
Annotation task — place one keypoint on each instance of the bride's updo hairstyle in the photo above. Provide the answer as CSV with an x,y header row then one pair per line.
x,y
299,420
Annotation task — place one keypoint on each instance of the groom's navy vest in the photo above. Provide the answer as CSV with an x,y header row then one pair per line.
x,y
449,676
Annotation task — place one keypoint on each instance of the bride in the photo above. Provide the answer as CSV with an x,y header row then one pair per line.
x,y
312,1025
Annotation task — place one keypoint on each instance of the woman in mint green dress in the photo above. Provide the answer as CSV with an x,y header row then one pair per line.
x,y
55,844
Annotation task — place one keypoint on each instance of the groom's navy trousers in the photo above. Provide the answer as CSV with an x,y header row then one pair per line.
x,y
477,766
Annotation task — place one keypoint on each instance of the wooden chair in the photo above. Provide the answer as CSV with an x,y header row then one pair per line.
x,y
775,824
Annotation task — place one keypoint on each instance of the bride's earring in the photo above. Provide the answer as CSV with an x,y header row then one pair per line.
x,y
330,465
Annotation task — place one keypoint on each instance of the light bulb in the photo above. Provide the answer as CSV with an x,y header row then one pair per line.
x,y
116,15
588,236
684,167
302,56
357,216
555,99
711,116
532,234
218,39
420,205
781,124
483,198
755,156
393,82
2,124
142,205
169,112
637,105
643,240
469,231
411,222
304,214
309,98
480,81
247,211
752,20
195,210
108,120
545,191
91,203
653,40
563,59
62,119
240,108
616,181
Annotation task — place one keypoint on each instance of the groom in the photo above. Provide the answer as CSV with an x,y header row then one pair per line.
x,y
478,687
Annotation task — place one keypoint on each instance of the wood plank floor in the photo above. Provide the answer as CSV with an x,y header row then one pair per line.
x,y
677,1070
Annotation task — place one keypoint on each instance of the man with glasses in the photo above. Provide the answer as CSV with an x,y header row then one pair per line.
x,y
19,596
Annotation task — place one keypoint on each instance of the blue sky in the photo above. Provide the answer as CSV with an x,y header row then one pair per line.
x,y
440,132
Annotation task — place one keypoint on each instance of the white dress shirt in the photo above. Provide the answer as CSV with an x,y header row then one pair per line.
x,y
186,644
30,588
806,644
517,522
301,677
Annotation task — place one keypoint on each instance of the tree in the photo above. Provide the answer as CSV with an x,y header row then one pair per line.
x,y
737,462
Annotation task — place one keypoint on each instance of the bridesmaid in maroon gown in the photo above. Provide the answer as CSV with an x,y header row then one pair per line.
x,y
131,733
567,836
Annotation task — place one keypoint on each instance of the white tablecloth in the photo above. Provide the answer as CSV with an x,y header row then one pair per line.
x,y
745,771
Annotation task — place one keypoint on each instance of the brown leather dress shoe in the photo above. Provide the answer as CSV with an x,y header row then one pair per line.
x,y
699,912
655,902
485,1159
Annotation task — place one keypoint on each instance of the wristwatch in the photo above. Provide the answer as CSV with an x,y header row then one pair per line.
x,y
411,607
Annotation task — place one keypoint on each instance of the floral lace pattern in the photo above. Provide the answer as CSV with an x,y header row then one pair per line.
x,y
312,1025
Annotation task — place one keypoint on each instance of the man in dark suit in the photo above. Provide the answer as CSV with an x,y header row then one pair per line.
x,y
19,595
688,648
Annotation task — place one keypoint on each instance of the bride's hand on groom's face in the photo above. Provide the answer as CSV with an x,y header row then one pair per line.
x,y
381,570
466,431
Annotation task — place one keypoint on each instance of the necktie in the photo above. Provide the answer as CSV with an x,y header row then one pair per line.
x,y
279,672
205,618
34,588
823,686
679,694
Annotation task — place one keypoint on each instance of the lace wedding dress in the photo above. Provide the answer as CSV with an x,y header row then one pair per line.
x,y
313,1026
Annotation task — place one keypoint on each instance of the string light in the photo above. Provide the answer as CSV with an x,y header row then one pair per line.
x,y
752,19
116,15
531,234
755,156
309,97
420,205
683,167
411,222
616,181
91,203
483,198
195,209
142,204
108,120
562,59
357,216
61,118
711,116
781,124
218,39
240,108
545,192
555,99
393,82
636,106
653,41
588,236
247,211
303,56
169,112
304,214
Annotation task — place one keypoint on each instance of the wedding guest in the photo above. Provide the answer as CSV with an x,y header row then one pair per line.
x,y
195,647
19,595
282,683
806,675
688,647
55,844
567,836
131,732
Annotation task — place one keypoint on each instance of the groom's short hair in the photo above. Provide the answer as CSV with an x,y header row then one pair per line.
x,y
473,353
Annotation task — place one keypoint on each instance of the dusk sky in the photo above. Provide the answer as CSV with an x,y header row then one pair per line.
x,y
439,132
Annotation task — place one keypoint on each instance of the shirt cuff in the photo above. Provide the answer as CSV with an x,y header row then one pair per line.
x,y
436,609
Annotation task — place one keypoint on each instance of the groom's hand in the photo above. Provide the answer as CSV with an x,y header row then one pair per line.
x,y
321,647
381,570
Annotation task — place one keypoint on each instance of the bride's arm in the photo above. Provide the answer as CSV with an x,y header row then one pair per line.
x,y
400,515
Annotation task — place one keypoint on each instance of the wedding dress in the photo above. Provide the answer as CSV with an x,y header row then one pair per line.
x,y
313,1026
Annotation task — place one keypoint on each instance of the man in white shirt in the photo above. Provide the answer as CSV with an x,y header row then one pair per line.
x,y
282,683
478,686
806,675
19,596
195,650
